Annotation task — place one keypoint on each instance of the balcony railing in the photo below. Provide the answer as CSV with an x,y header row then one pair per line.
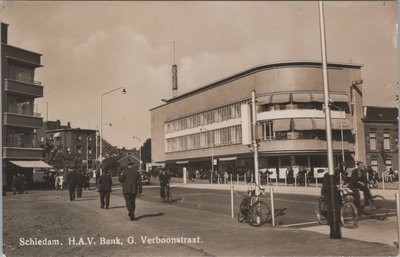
x,y
34,88
22,153
22,120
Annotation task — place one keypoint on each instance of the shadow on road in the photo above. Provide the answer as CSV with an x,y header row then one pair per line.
x,y
117,207
83,199
149,215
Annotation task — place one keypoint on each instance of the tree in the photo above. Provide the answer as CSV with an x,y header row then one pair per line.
x,y
146,151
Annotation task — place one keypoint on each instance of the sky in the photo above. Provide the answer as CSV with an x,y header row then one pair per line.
x,y
92,47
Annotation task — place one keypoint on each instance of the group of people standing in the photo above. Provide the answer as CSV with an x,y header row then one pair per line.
x,y
75,180
18,183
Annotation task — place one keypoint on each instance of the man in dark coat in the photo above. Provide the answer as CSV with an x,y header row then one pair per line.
x,y
79,184
105,183
130,179
359,181
71,180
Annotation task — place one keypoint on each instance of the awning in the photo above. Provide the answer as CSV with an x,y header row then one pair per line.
x,y
338,98
337,124
281,125
227,159
303,124
317,97
31,164
319,124
266,99
301,98
182,162
282,98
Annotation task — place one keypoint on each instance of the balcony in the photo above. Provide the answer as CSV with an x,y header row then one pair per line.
x,y
22,153
22,120
19,87
17,54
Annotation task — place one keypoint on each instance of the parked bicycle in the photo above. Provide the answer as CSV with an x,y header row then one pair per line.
x,y
253,209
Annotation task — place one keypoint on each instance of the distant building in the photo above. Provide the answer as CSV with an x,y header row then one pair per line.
x,y
211,122
381,138
76,146
21,153
40,133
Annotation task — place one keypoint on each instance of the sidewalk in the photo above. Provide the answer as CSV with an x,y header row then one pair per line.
x,y
220,235
388,194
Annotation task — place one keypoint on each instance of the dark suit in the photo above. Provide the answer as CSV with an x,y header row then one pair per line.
x,y
105,183
79,184
130,179
71,179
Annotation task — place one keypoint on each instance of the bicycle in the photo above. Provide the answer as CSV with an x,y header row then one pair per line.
x,y
167,196
252,209
348,210
377,209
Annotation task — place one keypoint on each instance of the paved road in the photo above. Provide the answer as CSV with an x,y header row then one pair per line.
x,y
196,213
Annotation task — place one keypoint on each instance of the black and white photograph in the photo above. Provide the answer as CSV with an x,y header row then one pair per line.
x,y
199,128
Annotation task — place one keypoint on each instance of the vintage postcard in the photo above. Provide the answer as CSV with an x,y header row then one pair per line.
x,y
199,128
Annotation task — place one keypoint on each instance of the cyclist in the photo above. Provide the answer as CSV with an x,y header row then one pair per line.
x,y
164,182
359,181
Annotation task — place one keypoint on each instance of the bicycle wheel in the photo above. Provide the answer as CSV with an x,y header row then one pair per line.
x,y
379,207
349,215
259,214
319,212
240,217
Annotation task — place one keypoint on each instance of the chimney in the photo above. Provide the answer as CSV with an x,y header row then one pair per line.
x,y
174,77
4,33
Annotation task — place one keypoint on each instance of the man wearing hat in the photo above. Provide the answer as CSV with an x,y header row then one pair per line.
x,y
130,180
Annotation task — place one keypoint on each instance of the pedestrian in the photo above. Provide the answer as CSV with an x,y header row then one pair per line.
x,y
164,179
226,177
105,183
130,180
79,184
57,181
87,181
61,181
20,183
14,184
71,180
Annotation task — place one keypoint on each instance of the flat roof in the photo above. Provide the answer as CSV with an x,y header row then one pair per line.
x,y
255,70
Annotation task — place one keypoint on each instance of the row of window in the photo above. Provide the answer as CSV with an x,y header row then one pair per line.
x,y
372,141
204,118
218,137
268,133
374,164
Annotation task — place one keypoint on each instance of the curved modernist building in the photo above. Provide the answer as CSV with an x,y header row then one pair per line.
x,y
191,129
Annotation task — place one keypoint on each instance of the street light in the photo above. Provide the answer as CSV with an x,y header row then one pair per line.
x,y
101,123
140,151
341,127
212,156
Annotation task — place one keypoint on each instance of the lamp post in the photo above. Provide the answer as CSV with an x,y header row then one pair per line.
x,y
212,156
333,206
101,123
341,128
140,152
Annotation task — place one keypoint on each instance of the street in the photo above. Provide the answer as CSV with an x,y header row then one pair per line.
x,y
197,223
